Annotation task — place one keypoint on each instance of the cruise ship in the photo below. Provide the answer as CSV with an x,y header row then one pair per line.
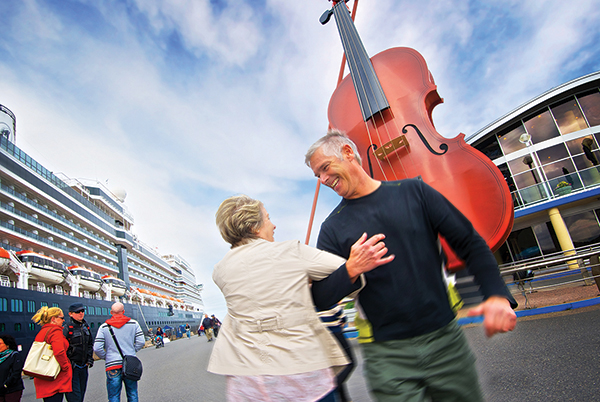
x,y
64,240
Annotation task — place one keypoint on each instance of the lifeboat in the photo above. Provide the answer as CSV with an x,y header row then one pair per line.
x,y
43,268
88,279
118,285
4,259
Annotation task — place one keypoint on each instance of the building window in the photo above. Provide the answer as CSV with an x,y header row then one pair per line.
x,y
568,116
590,103
541,127
509,140
546,238
523,244
489,147
583,228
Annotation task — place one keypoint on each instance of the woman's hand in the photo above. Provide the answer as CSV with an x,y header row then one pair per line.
x,y
366,255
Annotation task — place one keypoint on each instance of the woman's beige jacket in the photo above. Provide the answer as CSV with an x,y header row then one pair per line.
x,y
271,327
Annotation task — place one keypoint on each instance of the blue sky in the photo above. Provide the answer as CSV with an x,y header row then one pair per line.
x,y
183,103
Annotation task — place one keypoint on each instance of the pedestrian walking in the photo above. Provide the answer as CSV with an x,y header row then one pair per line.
x,y
80,351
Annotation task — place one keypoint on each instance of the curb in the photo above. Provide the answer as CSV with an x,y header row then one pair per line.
x,y
537,311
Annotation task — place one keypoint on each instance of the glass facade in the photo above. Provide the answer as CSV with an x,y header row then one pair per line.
x,y
547,154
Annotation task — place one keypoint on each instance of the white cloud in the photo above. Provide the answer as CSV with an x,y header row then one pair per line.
x,y
184,103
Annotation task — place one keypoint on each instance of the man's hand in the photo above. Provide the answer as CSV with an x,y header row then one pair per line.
x,y
366,255
498,316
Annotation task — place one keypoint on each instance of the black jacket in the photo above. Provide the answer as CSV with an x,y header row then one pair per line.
x,y
10,374
207,323
81,342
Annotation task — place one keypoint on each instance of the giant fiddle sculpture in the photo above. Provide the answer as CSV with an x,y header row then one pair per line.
x,y
385,106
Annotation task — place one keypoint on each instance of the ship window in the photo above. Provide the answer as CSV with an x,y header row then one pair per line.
x,y
55,305
30,306
2,327
104,311
16,305
3,304
92,325
44,304
91,310
18,326
31,326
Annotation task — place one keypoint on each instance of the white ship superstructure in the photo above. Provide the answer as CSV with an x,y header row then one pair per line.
x,y
73,238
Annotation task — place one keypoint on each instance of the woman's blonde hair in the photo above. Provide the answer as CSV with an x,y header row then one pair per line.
x,y
239,219
45,314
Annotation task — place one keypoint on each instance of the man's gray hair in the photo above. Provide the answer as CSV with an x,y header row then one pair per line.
x,y
331,145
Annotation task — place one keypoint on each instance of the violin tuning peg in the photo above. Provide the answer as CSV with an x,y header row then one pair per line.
x,y
326,17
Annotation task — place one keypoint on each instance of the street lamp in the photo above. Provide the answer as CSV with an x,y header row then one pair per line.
x,y
525,139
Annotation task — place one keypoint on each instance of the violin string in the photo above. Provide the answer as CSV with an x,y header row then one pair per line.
x,y
346,30
367,66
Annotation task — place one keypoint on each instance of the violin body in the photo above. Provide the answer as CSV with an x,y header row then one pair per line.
x,y
412,148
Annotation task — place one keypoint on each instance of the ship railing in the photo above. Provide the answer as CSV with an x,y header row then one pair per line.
x,y
54,215
5,281
59,290
58,245
86,294
41,287
51,228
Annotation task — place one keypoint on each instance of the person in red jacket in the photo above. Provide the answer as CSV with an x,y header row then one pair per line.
x,y
52,320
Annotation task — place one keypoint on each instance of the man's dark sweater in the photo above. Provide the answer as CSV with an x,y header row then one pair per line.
x,y
408,296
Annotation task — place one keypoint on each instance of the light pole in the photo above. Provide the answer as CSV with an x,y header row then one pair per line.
x,y
525,139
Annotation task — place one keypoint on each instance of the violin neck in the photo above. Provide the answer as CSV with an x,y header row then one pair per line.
x,y
366,84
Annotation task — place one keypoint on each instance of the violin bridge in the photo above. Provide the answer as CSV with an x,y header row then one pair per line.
x,y
394,145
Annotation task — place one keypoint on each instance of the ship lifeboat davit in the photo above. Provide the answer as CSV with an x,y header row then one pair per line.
x,y
88,279
43,268
118,285
4,259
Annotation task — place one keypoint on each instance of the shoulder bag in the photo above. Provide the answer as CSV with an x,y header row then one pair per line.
x,y
132,366
41,362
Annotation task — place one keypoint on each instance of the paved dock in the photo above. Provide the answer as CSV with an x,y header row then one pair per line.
x,y
549,357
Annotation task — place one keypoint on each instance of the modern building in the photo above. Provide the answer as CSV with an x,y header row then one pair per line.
x,y
548,151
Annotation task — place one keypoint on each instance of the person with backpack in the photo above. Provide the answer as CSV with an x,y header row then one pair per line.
x,y
130,337
80,351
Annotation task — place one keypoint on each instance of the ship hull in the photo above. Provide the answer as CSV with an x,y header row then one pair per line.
x,y
18,323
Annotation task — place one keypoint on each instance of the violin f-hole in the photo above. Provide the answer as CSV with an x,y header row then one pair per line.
x,y
443,147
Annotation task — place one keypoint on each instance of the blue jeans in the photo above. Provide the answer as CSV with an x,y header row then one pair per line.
x,y
188,333
114,381
80,378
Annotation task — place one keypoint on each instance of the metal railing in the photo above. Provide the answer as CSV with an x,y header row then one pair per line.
x,y
579,266
559,186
